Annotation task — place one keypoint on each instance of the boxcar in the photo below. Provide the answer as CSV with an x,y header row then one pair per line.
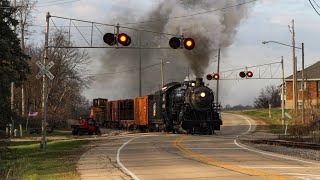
x,y
126,114
141,112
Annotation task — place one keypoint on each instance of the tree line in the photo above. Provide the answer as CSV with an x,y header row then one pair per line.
x,y
269,95
18,66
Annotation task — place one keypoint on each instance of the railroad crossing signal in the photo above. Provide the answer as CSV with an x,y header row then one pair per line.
x,y
187,43
44,70
111,39
214,76
244,74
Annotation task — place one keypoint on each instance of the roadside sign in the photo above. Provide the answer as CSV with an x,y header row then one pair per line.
x,y
44,70
288,115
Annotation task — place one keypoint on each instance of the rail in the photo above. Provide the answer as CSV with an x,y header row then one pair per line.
x,y
304,145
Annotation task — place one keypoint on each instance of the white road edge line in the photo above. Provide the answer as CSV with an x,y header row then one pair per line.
x,y
250,125
265,153
121,165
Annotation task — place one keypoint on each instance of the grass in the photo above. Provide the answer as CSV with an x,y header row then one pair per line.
x,y
25,160
273,125
54,133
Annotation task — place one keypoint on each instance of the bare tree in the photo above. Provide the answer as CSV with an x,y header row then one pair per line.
x,y
269,95
24,11
70,78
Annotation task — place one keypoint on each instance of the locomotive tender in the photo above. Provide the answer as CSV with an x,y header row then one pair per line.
x,y
186,107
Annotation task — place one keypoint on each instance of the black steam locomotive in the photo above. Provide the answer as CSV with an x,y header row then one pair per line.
x,y
188,107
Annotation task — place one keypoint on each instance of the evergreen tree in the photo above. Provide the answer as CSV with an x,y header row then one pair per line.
x,y
13,62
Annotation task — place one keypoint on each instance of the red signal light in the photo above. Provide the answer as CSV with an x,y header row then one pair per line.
x,y
124,39
188,43
249,74
216,76
209,77
242,74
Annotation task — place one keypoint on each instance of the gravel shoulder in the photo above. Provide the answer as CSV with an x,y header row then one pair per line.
x,y
295,152
263,133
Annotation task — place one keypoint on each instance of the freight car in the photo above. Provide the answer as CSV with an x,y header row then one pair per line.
x,y
186,107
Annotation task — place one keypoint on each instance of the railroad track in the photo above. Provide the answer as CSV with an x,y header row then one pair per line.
x,y
293,144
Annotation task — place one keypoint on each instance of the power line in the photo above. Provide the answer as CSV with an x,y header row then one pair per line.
x,y
158,20
316,3
53,1
195,14
314,7
58,3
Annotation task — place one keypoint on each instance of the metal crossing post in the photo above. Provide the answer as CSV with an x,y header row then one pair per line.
x,y
218,70
282,92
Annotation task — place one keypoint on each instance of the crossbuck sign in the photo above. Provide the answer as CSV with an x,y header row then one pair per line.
x,y
44,70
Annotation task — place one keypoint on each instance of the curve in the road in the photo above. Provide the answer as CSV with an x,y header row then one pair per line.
x,y
213,162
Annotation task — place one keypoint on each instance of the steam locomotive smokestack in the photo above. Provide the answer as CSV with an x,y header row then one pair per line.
x,y
199,82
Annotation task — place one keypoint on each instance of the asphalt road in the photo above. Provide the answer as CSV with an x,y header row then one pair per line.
x,y
170,156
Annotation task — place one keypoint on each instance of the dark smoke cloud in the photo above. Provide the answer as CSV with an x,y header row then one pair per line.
x,y
210,31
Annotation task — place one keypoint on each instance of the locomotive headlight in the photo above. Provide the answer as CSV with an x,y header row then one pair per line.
x,y
193,84
203,94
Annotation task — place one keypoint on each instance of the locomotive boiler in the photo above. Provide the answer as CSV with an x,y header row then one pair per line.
x,y
188,107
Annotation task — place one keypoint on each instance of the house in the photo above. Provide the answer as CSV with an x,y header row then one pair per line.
x,y
311,87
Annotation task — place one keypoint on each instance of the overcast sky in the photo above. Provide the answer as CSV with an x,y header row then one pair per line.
x,y
268,20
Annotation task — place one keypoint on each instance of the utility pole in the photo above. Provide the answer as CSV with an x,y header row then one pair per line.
x,y
282,92
12,83
23,49
218,70
140,70
161,71
302,77
294,77
43,145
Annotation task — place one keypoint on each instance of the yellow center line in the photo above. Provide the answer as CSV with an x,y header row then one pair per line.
x,y
214,162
